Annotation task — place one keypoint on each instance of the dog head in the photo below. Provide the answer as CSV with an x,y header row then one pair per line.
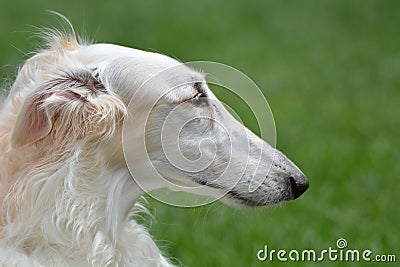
x,y
82,96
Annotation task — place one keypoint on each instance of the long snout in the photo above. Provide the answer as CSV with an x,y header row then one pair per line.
x,y
270,177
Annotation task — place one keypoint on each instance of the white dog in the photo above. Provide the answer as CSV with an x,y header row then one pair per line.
x,y
67,194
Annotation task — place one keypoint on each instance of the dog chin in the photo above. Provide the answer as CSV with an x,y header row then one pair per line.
x,y
235,199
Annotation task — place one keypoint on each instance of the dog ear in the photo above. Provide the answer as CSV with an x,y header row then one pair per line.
x,y
69,104
61,93
32,124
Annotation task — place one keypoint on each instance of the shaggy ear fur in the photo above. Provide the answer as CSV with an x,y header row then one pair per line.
x,y
33,123
74,105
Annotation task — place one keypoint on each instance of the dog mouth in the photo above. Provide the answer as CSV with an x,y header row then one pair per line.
x,y
233,197
293,187
238,198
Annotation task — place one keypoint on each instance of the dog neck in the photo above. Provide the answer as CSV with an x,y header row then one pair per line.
x,y
77,201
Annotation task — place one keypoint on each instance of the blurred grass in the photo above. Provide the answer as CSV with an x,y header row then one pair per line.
x,y
331,73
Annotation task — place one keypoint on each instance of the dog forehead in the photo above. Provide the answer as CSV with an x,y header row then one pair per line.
x,y
126,69
100,54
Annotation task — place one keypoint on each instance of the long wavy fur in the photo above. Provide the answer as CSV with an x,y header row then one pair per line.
x,y
59,205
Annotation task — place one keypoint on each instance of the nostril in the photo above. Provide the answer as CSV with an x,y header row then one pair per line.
x,y
298,185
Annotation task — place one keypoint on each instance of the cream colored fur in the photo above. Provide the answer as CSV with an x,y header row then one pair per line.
x,y
60,206
67,196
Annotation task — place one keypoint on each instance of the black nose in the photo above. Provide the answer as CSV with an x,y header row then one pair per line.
x,y
298,184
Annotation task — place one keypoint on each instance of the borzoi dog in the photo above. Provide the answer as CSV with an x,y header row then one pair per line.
x,y
67,195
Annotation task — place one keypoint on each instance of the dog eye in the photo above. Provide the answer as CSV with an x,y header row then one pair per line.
x,y
199,91
197,96
199,99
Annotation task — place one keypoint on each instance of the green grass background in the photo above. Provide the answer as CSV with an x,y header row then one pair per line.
x,y
331,73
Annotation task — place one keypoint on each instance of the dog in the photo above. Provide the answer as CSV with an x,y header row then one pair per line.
x,y
67,192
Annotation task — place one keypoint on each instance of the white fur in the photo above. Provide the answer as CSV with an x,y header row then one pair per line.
x,y
67,196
